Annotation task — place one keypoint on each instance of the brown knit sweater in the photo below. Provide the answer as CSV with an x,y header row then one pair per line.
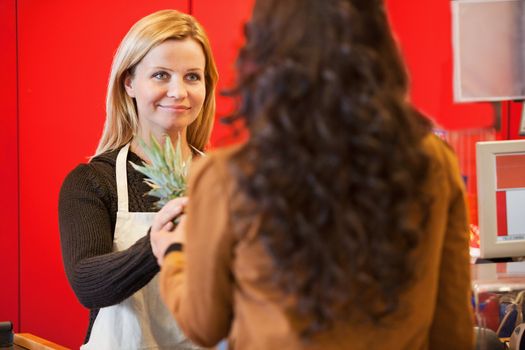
x,y
87,214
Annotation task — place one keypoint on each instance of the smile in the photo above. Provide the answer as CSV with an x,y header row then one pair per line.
x,y
175,108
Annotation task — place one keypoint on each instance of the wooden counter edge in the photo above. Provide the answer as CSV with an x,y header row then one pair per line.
x,y
32,342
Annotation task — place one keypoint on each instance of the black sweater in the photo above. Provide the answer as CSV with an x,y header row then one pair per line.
x,y
87,214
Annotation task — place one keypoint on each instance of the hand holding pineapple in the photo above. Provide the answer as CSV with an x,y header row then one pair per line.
x,y
163,231
166,175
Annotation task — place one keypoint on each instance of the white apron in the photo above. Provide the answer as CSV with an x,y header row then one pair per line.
x,y
141,321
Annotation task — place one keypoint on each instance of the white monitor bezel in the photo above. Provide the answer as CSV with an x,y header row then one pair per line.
x,y
486,153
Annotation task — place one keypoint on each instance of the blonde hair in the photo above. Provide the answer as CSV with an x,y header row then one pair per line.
x,y
121,115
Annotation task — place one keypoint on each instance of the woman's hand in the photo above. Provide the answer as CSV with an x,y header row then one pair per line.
x,y
163,231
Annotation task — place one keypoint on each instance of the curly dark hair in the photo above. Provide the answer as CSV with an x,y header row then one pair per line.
x,y
333,163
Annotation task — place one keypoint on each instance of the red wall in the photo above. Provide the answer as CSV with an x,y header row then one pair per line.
x,y
224,27
65,52
424,31
9,159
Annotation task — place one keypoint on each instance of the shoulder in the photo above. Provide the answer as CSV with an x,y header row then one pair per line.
x,y
92,176
444,165
82,182
442,155
213,171
108,158
437,148
214,164
79,176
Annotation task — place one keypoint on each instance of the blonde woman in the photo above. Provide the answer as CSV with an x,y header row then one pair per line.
x,y
162,82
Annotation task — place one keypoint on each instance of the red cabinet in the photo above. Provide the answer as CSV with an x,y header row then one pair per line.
x,y
9,298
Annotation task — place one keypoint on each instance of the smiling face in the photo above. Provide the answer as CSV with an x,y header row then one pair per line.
x,y
169,88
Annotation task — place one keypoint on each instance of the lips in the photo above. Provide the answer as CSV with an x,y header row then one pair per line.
x,y
176,108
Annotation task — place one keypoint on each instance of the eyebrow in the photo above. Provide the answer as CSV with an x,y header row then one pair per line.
x,y
171,70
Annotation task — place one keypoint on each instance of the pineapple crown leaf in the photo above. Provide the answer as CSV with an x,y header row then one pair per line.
x,y
154,152
166,174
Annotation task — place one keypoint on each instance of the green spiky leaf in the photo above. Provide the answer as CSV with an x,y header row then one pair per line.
x,y
167,173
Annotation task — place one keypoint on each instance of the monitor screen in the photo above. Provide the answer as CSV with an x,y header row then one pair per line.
x,y
510,196
489,50
501,198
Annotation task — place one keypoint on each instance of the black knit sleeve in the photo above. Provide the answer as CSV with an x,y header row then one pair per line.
x,y
98,276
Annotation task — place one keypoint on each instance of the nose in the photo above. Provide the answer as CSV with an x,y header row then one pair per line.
x,y
177,89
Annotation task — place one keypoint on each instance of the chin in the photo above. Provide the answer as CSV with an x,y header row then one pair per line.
x,y
170,129
175,124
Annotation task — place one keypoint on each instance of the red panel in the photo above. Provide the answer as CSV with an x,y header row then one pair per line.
x,y
65,52
510,171
514,120
9,161
224,25
501,210
424,31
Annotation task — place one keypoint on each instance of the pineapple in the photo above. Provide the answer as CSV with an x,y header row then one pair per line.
x,y
168,171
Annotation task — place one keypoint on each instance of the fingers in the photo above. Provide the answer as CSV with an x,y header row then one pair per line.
x,y
181,200
164,231
169,226
162,239
160,242
179,235
170,211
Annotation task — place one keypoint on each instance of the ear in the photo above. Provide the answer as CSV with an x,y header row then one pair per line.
x,y
128,84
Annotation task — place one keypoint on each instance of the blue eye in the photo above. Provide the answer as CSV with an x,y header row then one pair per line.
x,y
160,75
193,77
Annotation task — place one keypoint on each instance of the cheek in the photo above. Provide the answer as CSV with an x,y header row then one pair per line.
x,y
200,95
147,94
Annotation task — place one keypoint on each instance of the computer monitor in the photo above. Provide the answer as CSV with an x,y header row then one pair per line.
x,y
488,49
501,198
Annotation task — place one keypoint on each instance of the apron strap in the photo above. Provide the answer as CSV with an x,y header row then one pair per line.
x,y
122,179
199,152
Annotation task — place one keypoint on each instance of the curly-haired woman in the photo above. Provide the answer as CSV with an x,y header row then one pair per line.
x,y
341,223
